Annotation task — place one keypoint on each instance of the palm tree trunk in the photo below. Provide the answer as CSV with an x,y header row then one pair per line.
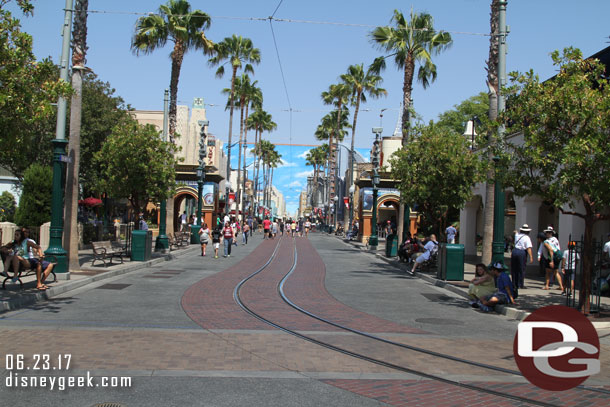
x,y
241,135
351,161
230,129
72,178
177,57
243,200
492,82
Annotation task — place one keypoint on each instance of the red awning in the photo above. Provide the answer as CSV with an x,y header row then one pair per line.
x,y
91,201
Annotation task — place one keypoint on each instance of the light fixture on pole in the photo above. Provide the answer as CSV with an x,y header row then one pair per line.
x,y
228,190
374,240
200,179
470,132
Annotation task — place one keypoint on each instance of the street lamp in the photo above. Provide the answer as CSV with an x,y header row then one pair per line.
x,y
352,189
469,131
335,209
228,190
162,243
200,178
373,240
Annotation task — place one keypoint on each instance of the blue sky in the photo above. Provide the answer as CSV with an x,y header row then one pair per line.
x,y
314,55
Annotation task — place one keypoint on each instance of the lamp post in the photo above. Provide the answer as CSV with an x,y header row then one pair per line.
x,y
227,191
335,210
59,158
373,240
352,189
200,178
162,243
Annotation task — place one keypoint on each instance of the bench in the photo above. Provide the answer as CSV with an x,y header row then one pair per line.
x,y
174,242
185,238
105,251
28,271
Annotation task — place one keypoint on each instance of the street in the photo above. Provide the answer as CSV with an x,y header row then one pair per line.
x,y
178,331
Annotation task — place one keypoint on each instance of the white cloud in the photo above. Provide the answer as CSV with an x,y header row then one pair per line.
x,y
285,164
304,174
303,155
295,184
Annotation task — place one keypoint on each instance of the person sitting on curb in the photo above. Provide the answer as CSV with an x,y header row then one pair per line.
x,y
481,285
430,248
503,294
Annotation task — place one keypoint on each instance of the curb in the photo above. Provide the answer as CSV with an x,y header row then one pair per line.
x,y
509,312
29,299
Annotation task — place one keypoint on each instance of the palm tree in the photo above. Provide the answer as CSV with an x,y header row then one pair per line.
x,y
328,126
243,89
494,88
337,95
253,99
316,157
72,179
259,121
412,42
185,28
239,52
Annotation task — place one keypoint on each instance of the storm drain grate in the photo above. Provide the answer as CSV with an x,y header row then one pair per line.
x,y
156,276
436,297
113,286
108,405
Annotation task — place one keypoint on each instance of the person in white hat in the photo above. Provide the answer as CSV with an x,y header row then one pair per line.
x,y
522,250
551,256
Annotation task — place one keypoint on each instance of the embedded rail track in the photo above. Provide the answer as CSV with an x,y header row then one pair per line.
x,y
280,287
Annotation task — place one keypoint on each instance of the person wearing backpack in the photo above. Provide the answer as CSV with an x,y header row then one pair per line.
x,y
551,256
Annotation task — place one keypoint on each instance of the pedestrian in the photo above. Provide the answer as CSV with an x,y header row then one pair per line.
x,y
503,294
250,224
266,226
551,256
183,221
430,249
143,225
216,236
204,237
541,238
307,226
293,227
518,258
568,267
606,249
236,230
245,233
300,227
275,227
282,227
227,234
451,231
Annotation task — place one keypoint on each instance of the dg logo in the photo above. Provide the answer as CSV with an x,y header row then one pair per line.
x,y
557,348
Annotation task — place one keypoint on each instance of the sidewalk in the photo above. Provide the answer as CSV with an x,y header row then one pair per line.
x,y
530,299
13,297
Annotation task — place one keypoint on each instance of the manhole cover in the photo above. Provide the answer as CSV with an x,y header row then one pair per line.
x,y
113,286
108,405
439,321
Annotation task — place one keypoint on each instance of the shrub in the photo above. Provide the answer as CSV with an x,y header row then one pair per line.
x,y
35,203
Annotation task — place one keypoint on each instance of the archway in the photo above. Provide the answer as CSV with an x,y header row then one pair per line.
x,y
387,211
185,200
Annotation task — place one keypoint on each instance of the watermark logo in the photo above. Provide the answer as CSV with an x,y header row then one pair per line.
x,y
557,348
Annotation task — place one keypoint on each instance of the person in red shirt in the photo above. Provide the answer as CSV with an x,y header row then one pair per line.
x,y
228,235
266,227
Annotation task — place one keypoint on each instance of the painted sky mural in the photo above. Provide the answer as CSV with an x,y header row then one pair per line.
x,y
290,178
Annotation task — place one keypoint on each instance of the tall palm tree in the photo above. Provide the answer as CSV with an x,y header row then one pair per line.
x,y
185,28
337,95
328,126
239,52
494,88
254,100
243,89
72,179
316,157
259,121
412,42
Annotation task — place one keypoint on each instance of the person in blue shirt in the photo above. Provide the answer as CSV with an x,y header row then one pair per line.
x,y
504,292
451,231
430,249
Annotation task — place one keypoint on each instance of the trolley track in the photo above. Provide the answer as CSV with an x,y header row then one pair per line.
x,y
280,290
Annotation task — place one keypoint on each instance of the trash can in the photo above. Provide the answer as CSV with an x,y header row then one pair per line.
x,y
450,262
141,245
391,246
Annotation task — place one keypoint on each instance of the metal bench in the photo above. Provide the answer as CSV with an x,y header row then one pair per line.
x,y
24,272
105,251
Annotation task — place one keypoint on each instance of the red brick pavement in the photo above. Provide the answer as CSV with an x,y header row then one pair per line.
x,y
425,393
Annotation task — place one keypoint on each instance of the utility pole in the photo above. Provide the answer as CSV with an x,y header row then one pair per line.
x,y
59,157
498,241
162,243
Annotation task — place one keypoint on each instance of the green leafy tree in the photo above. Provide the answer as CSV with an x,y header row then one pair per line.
x,y
564,155
28,90
454,120
137,164
35,203
175,22
8,206
25,5
437,171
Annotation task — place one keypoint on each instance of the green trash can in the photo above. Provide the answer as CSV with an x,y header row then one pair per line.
x,y
454,262
141,245
391,246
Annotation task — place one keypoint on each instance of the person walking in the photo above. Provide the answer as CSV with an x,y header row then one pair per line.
x,y
204,237
266,226
245,233
228,234
551,255
518,258
275,227
216,236
250,224
451,231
